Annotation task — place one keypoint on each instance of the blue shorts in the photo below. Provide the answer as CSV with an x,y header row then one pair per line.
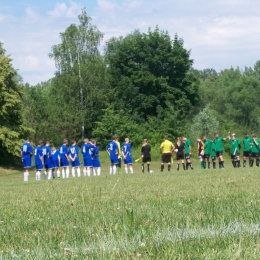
x,y
56,164
27,162
64,163
96,162
88,162
128,160
39,167
75,163
114,160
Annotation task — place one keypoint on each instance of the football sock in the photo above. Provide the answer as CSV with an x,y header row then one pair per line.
x,y
26,176
67,172
49,174
85,172
162,167
114,169
148,167
38,175
178,166
234,164
204,164
131,169
126,170
238,163
191,166
78,171
58,173
45,175
219,165
214,165
222,164
73,172
111,170
208,165
98,171
94,172
169,167
187,166
183,166
244,163
63,173
143,167
251,163
257,163
201,165
88,173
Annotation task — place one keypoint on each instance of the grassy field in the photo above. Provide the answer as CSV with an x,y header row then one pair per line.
x,y
199,214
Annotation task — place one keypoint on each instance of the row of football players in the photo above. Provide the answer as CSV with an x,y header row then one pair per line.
x,y
51,159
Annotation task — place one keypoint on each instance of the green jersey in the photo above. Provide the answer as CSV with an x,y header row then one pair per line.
x,y
219,143
187,146
207,146
213,150
238,146
255,147
233,146
247,141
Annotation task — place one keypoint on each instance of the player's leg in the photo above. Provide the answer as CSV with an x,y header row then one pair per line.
x,y
49,173
257,160
245,154
73,171
221,159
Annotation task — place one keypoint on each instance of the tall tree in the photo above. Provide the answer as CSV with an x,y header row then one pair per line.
x,y
11,128
80,87
151,71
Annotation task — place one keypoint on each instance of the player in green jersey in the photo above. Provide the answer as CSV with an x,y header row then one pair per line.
x,y
233,149
255,150
213,154
238,151
187,152
247,143
207,150
219,149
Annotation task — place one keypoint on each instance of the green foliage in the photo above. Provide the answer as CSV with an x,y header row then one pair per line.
x,y
205,123
150,71
11,129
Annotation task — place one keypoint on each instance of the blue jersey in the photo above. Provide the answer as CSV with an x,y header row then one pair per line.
x,y
26,149
113,150
73,151
55,155
126,149
46,150
63,152
86,150
37,155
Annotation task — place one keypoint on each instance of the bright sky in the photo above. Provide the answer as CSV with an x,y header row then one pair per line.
x,y
219,33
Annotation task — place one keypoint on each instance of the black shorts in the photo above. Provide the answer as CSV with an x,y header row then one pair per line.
x,y
206,156
146,159
219,153
247,154
180,156
233,157
187,156
166,157
254,155
213,158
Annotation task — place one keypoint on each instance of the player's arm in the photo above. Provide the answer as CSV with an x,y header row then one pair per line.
x,y
161,148
190,149
108,150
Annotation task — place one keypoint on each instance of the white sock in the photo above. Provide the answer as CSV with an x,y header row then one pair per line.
x,y
49,174
73,172
98,171
88,173
94,172
126,170
63,173
58,173
38,175
114,169
45,175
85,172
25,176
131,169
67,172
111,170
78,172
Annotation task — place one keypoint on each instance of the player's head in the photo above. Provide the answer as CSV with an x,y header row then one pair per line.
x,y
86,140
198,138
127,140
40,143
73,141
165,137
204,137
254,135
233,136
116,137
183,138
28,139
53,148
145,141
93,141
65,141
216,134
47,143
246,134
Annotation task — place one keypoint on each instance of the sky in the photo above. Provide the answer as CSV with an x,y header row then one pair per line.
x,y
219,33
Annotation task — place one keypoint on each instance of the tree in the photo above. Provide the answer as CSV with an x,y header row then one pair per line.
x,y
149,70
80,88
11,128
205,123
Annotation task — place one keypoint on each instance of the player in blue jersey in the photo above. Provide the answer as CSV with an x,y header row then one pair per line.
x,y
112,150
38,160
95,159
127,155
86,152
74,158
55,158
26,154
46,150
64,159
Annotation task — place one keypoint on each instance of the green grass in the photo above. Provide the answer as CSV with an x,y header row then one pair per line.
x,y
200,214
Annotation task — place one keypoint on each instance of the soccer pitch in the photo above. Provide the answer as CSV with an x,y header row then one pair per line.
x,y
199,214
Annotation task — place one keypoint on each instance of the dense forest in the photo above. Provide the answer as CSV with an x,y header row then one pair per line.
x,y
143,85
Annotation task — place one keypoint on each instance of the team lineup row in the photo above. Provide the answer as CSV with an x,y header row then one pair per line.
x,y
51,159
